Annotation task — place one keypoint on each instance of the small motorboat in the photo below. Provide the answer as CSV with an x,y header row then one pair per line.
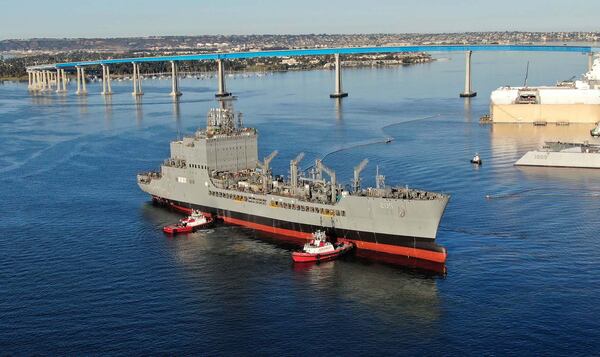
x,y
485,119
389,140
596,131
196,220
476,159
320,250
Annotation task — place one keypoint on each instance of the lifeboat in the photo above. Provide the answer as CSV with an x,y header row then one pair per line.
x,y
320,250
195,221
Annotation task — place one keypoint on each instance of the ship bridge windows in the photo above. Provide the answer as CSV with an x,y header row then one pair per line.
x,y
196,166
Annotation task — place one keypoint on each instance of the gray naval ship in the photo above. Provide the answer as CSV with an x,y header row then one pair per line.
x,y
217,171
561,154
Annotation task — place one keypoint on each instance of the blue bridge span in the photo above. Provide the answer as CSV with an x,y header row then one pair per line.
x,y
45,77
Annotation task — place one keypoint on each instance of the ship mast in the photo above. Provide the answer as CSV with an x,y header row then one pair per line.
x,y
379,179
294,172
357,170
266,169
331,173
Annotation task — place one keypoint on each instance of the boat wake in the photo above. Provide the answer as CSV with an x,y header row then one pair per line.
x,y
546,192
385,140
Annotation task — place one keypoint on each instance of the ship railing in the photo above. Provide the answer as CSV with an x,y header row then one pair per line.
x,y
399,193
220,184
147,177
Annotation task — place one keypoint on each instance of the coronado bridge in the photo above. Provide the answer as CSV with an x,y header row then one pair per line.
x,y
53,77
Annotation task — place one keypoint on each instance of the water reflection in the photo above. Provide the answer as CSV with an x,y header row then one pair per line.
x,y
41,99
583,177
62,98
338,109
139,113
227,262
391,294
468,109
513,140
108,110
176,109
82,103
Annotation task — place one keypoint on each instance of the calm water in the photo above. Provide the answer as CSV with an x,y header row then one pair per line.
x,y
85,268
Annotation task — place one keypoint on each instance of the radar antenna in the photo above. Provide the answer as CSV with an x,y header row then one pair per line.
x,y
220,120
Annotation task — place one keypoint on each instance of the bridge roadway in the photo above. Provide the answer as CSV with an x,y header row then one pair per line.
x,y
42,77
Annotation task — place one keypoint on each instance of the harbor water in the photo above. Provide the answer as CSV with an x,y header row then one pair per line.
x,y
85,267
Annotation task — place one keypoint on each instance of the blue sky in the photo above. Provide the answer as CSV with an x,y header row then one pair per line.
x,y
111,18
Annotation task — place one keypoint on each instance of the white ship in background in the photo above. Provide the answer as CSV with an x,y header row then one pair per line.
x,y
567,102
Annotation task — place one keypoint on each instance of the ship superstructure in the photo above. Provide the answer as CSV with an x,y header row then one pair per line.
x,y
218,171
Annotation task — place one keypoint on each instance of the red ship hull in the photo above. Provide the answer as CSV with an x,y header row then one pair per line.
x,y
435,254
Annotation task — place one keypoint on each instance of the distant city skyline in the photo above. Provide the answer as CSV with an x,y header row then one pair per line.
x,y
110,18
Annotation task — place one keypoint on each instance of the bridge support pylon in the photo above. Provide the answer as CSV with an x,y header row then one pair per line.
x,y
61,81
40,81
29,81
339,93
174,80
44,77
81,86
54,76
35,81
57,78
43,81
53,79
137,80
222,92
106,88
48,80
468,93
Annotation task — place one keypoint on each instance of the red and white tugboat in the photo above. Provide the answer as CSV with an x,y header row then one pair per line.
x,y
189,224
320,250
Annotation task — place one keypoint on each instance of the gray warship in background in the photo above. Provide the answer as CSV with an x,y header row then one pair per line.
x,y
217,171
561,154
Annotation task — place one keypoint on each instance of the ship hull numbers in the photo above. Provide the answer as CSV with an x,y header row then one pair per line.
x,y
390,206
